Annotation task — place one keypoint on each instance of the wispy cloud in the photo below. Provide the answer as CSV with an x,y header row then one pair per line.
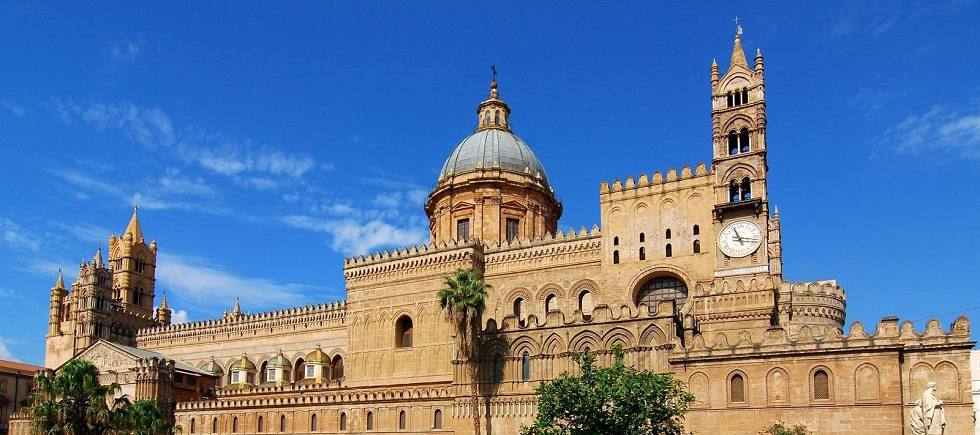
x,y
5,352
350,236
201,280
17,236
179,316
256,165
85,232
161,194
940,131
13,107
878,18
127,50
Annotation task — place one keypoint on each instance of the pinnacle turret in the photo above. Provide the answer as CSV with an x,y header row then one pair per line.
x,y
61,281
133,229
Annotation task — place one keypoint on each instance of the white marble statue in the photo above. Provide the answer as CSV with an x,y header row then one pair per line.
x,y
928,416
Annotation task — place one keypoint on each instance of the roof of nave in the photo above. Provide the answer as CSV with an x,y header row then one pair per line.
x,y
147,354
18,368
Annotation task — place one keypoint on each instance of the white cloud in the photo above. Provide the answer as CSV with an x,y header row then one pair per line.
x,y
938,131
356,237
13,107
86,232
5,353
199,279
17,237
151,128
179,316
127,50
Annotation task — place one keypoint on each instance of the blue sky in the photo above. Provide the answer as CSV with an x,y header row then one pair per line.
x,y
266,141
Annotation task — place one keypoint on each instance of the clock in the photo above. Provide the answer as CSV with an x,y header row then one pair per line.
x,y
739,239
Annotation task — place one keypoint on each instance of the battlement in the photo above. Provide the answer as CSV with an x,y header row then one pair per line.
x,y
820,338
294,395
657,179
331,312
408,252
599,314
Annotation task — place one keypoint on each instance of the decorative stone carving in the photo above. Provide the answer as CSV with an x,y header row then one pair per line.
x,y
928,416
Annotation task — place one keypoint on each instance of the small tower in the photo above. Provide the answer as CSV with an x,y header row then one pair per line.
x,y
164,313
493,112
133,265
58,294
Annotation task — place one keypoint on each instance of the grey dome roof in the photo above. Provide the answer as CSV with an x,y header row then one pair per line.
x,y
494,148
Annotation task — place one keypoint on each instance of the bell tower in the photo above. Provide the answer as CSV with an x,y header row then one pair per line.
x,y
738,115
133,268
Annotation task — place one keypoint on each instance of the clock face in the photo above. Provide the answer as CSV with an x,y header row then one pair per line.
x,y
740,239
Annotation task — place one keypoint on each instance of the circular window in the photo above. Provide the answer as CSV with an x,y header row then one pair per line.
x,y
662,288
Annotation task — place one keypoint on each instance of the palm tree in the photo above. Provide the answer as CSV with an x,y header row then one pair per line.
x,y
463,302
73,402
145,417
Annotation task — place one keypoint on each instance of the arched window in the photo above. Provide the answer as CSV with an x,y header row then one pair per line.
x,y
731,100
282,423
585,303
821,385
498,368
738,98
733,191
743,141
616,241
519,309
300,371
668,251
263,372
615,257
745,96
525,367
402,420
214,425
403,332
192,425
697,230
437,419
496,117
343,421
642,237
260,425
697,247
370,420
737,387
746,189
338,368
643,253
667,234
234,425
662,288
486,118
313,422
550,304
732,143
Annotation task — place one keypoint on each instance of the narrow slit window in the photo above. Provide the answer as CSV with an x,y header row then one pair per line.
x,y
667,234
642,237
697,230
643,254
615,257
525,367
668,251
697,246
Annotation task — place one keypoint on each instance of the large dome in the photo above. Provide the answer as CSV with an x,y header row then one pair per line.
x,y
494,148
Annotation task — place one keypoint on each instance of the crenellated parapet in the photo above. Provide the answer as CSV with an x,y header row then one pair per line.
x,y
658,182
814,303
414,262
316,394
561,249
330,314
599,314
756,343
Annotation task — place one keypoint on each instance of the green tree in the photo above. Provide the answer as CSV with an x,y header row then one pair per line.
x,y
610,400
782,429
463,301
74,403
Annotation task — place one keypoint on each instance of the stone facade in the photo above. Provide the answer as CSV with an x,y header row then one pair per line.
x,y
685,274
16,381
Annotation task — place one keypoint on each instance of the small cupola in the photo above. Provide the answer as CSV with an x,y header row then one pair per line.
x,y
242,372
277,369
494,113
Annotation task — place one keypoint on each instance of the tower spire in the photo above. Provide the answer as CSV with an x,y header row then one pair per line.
x,y
134,226
61,280
97,260
738,55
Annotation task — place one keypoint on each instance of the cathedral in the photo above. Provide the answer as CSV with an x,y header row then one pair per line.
x,y
684,272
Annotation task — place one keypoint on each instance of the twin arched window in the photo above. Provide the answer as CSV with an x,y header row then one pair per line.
x,y
738,141
740,191
551,304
